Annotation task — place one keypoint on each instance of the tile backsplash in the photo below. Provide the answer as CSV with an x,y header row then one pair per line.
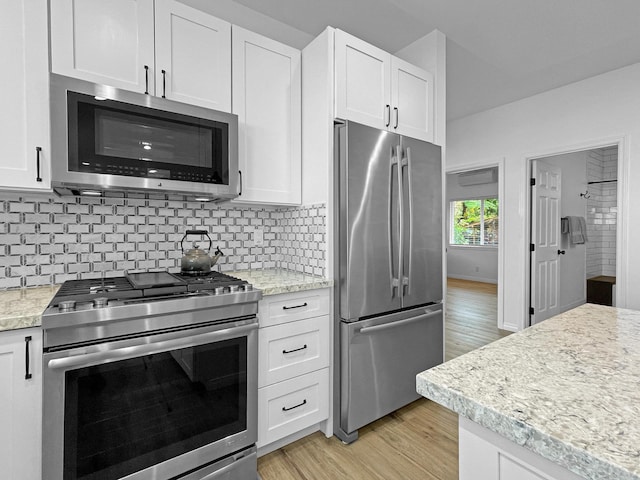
x,y
45,239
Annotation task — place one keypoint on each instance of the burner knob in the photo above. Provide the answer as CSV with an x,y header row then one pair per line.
x,y
234,288
218,290
248,287
100,302
67,305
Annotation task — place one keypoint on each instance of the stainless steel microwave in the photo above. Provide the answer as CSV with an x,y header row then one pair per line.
x,y
110,142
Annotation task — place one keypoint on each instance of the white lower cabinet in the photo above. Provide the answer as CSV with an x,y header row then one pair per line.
x,y
293,364
485,455
21,404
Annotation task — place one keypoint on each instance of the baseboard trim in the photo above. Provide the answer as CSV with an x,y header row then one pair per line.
x,y
473,279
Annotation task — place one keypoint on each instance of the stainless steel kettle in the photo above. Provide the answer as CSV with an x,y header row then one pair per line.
x,y
196,261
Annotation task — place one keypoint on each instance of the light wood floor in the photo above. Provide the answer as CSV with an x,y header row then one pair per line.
x,y
419,441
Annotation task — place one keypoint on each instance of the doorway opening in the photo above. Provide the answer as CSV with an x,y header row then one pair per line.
x,y
573,229
472,235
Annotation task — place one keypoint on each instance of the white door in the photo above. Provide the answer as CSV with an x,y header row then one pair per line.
x,y
24,96
411,100
363,76
108,42
267,100
21,403
193,56
545,236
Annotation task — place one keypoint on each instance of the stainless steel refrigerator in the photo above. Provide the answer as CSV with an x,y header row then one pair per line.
x,y
388,271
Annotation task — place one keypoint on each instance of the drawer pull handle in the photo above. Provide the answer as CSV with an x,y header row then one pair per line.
x,y
295,349
285,409
295,306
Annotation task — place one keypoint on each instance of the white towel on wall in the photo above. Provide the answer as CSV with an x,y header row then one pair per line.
x,y
577,230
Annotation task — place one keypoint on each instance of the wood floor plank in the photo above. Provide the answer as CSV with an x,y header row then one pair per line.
x,y
419,441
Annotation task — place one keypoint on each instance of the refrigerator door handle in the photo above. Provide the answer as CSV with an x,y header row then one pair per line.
x,y
399,323
401,162
406,162
394,281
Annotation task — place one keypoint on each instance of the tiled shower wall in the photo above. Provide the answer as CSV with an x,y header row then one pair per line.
x,y
45,239
602,212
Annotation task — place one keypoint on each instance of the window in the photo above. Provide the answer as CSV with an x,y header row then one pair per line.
x,y
474,222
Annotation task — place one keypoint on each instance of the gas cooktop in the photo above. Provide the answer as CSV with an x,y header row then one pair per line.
x,y
147,285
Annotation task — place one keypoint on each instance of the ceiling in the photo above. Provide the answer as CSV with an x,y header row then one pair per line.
x,y
498,51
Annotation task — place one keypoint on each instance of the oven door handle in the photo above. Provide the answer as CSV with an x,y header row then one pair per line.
x,y
107,356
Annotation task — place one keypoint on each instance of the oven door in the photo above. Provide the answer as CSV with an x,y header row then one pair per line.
x,y
151,407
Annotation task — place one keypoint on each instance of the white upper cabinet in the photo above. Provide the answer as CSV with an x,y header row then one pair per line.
x,y
193,56
412,98
363,75
375,88
164,48
24,96
267,100
106,42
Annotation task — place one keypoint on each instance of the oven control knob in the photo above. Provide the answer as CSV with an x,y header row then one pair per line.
x,y
234,288
67,306
100,302
218,290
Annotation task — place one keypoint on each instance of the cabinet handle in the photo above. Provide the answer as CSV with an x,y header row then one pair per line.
x,y
240,175
388,109
295,306
38,150
146,79
285,409
395,109
561,252
164,83
27,375
304,347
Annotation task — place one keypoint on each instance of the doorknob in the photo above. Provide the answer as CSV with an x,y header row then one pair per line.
x,y
561,252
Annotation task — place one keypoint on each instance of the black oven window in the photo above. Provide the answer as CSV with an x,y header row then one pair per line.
x,y
125,416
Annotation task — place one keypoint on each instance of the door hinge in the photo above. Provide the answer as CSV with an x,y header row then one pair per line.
x,y
532,311
533,182
532,247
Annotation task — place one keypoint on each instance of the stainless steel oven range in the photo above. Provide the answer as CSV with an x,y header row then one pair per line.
x,y
151,376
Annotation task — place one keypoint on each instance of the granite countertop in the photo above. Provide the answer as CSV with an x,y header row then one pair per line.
x,y
275,281
568,389
22,308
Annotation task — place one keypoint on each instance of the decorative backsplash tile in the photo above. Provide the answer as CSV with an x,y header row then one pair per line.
x,y
47,240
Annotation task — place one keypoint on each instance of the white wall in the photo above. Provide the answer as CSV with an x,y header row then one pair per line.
x,y
475,262
573,279
594,112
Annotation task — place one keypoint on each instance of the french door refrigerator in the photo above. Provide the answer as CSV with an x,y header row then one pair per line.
x,y
388,271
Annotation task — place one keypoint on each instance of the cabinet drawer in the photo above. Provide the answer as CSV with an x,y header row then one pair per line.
x,y
292,349
293,306
290,406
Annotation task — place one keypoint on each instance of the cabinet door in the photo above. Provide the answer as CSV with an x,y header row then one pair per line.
x,y
363,75
412,100
104,41
21,404
193,56
24,96
267,100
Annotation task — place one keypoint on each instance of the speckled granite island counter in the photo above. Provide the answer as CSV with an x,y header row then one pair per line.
x,y
276,281
567,389
22,308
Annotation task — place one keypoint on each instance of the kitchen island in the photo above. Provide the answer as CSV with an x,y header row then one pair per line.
x,y
560,400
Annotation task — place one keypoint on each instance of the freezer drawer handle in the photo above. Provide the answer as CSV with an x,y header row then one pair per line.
x,y
295,306
400,323
304,347
285,409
